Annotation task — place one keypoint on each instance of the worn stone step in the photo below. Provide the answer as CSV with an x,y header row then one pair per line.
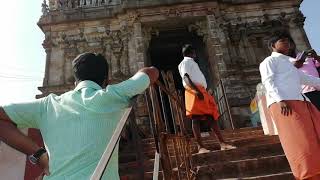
x,y
210,144
214,145
225,133
247,152
246,167
241,153
227,136
277,176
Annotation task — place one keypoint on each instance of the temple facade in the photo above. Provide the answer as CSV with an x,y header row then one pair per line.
x,y
230,37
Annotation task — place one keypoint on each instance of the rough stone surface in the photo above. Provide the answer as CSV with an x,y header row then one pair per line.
x,y
235,34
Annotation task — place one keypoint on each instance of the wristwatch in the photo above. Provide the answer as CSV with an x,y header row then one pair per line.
x,y
34,158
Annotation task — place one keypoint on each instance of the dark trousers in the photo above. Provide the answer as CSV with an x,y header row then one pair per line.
x,y
314,97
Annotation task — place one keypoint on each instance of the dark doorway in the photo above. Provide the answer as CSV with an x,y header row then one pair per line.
x,y
165,54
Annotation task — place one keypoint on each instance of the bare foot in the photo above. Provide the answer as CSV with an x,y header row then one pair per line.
x,y
225,146
203,150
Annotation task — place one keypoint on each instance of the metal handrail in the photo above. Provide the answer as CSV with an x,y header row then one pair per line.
x,y
156,166
224,109
106,156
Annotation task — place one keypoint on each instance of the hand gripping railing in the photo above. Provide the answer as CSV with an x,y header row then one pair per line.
x,y
103,163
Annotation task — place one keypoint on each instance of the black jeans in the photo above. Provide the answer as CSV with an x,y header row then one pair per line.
x,y
314,97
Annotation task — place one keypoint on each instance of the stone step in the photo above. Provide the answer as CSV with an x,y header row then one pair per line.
x,y
214,145
277,176
246,167
225,133
227,136
210,144
241,153
247,152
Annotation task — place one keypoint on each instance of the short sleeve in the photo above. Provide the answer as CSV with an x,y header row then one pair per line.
x,y
27,114
133,86
185,68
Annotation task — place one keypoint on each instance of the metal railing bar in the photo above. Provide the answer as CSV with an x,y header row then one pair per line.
x,y
106,156
156,166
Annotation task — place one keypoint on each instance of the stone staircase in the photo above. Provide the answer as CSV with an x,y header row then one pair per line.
x,y
257,157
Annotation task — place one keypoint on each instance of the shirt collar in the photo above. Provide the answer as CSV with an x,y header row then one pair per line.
x,y
188,58
87,84
276,54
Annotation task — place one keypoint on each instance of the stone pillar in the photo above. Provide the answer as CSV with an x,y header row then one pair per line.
x,y
298,33
218,56
137,60
47,45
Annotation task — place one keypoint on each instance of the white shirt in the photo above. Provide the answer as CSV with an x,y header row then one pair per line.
x,y
190,67
282,80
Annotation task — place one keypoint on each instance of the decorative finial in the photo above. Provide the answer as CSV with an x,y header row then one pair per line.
x,y
45,8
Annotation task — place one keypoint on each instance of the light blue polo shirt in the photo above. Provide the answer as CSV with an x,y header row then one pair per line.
x,y
77,126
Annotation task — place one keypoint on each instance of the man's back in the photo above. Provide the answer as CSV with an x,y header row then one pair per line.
x,y
77,126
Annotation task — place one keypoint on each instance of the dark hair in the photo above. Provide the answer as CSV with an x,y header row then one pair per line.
x,y
293,48
187,50
90,66
277,35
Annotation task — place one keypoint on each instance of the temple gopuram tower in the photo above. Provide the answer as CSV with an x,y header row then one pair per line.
x,y
230,37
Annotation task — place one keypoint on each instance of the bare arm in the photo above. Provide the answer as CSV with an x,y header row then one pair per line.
x,y
11,135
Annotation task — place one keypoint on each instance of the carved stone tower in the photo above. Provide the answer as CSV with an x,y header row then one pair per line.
x,y
230,36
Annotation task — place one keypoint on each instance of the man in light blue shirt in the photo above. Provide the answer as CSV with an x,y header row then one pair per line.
x,y
76,126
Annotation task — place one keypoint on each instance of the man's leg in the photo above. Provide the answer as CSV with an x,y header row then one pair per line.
x,y
197,133
214,127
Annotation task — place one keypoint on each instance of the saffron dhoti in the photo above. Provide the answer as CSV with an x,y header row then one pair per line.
x,y
195,106
299,134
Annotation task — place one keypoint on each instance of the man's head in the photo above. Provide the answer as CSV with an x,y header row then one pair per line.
x,y
90,66
280,42
188,51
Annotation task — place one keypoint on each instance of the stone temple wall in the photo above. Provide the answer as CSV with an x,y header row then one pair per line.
x,y
235,33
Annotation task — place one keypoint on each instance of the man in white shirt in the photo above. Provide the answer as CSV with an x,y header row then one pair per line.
x,y
200,105
296,119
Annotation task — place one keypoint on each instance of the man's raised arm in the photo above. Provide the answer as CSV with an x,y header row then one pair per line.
x,y
152,72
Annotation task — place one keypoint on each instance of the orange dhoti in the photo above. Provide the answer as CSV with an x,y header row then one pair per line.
x,y
195,106
299,134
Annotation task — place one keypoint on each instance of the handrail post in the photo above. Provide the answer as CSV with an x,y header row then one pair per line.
x,y
106,156
227,104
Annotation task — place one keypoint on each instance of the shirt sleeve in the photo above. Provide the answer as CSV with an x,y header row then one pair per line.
x,y
267,71
27,114
309,80
133,86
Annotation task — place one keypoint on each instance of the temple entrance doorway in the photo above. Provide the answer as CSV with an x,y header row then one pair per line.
x,y
165,53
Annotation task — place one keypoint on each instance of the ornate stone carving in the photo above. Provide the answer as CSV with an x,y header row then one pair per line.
x,y
201,28
299,19
45,8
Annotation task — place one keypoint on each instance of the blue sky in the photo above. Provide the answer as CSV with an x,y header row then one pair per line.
x,y
23,58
